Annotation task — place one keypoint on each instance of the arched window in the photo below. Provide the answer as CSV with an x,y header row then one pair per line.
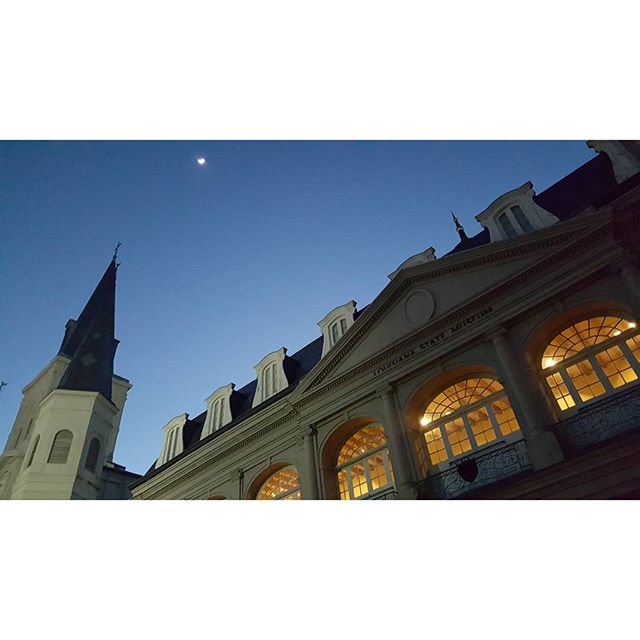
x,y
364,466
282,485
466,416
92,455
591,358
60,447
33,451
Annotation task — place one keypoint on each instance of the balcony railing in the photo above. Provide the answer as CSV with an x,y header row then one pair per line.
x,y
478,470
389,493
600,421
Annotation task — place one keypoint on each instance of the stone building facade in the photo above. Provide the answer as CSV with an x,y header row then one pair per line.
x,y
507,368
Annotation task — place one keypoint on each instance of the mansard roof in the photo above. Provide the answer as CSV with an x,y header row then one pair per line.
x,y
89,341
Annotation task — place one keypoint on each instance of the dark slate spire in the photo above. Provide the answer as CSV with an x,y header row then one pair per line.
x,y
89,341
459,228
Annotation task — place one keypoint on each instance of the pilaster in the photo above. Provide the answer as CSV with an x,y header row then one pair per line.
x,y
534,418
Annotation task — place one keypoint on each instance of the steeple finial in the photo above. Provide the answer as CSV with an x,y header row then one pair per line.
x,y
459,227
115,252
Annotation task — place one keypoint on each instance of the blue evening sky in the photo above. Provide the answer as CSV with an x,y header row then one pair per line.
x,y
222,264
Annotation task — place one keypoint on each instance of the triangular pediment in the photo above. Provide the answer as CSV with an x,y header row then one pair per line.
x,y
422,296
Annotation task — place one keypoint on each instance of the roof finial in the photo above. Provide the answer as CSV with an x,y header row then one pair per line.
x,y
459,227
115,253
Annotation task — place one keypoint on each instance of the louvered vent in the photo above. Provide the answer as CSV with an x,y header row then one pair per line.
x,y
60,447
33,451
92,455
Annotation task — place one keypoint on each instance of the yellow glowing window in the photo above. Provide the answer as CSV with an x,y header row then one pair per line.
x,y
467,415
616,367
505,417
560,391
481,426
282,485
634,347
364,465
592,358
435,446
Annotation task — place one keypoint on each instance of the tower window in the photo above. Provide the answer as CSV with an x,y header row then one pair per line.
x,y
92,455
60,447
33,451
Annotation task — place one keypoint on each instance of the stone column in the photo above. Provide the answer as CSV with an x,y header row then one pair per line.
x,y
309,474
403,468
544,449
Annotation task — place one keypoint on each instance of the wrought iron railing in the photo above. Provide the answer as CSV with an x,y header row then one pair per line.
x,y
478,470
600,421
386,494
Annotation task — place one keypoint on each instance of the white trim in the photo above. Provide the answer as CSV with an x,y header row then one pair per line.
x,y
172,443
521,197
342,318
271,376
218,409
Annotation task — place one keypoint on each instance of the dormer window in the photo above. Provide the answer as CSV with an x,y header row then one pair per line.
x,y
271,376
335,324
515,213
172,443
218,409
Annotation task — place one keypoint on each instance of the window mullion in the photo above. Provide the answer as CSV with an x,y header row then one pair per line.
x,y
564,374
347,470
367,474
631,359
602,376
494,420
445,439
470,435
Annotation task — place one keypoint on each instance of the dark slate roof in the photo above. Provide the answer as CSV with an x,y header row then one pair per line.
x,y
296,367
90,341
567,197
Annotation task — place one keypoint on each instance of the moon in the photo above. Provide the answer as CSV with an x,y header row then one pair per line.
x,y
201,161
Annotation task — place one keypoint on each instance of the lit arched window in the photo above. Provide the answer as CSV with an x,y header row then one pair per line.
x,y
466,416
364,466
33,451
92,455
591,358
282,485
60,447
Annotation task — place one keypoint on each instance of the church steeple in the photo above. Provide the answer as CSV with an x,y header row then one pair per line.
x,y
90,342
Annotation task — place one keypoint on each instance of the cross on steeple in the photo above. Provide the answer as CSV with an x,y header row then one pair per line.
x,y
459,227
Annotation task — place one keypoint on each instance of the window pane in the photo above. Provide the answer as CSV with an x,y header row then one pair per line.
x,y
481,426
616,367
457,435
376,471
522,219
459,395
585,380
634,345
343,326
358,479
343,486
435,446
334,333
279,483
507,227
505,417
359,443
560,391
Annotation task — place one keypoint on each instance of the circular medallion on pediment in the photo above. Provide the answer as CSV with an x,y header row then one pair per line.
x,y
419,307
